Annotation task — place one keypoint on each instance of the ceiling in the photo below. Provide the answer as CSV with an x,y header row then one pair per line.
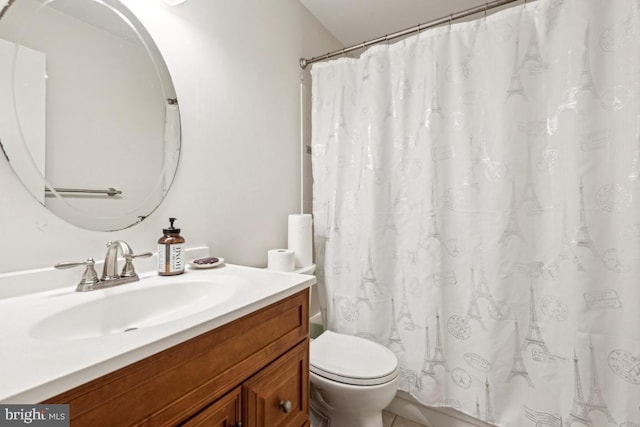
x,y
356,21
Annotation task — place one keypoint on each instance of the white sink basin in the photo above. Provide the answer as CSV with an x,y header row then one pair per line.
x,y
130,310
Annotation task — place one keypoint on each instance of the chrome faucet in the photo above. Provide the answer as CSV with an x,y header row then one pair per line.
x,y
110,276
110,268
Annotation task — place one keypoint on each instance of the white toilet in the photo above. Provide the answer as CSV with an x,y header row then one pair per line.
x,y
352,380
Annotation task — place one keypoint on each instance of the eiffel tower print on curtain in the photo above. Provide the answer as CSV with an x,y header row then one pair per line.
x,y
566,252
482,286
488,407
579,413
394,342
433,115
470,179
438,358
533,57
404,316
427,363
431,361
518,368
583,237
512,228
534,336
529,196
569,98
430,237
581,410
595,401
515,83
580,83
390,222
473,312
585,77
368,284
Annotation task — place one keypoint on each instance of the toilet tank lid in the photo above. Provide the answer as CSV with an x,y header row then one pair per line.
x,y
351,357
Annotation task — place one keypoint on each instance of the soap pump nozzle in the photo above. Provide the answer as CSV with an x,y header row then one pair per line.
x,y
171,229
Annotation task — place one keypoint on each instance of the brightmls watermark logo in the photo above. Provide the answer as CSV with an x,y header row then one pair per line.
x,y
34,415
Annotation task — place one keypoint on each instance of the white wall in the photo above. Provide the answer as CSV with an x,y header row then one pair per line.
x,y
235,68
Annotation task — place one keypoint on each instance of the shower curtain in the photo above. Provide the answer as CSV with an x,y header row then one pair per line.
x,y
476,210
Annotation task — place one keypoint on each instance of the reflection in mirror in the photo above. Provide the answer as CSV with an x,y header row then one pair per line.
x,y
87,103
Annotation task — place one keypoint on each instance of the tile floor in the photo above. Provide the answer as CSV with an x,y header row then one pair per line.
x,y
390,419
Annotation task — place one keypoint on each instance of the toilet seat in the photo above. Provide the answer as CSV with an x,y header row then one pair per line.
x,y
352,360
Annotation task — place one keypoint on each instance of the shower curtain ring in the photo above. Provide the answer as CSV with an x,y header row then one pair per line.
x,y
486,6
343,54
450,20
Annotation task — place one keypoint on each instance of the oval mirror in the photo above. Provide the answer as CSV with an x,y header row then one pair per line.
x,y
89,118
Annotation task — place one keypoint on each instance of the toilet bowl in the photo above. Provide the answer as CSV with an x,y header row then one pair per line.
x,y
352,380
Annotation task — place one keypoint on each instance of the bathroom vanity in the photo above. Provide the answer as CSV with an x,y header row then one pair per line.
x,y
241,357
253,370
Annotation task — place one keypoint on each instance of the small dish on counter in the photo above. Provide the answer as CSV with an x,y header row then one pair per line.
x,y
209,262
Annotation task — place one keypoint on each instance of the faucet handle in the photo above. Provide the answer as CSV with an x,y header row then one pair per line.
x,y
128,270
89,277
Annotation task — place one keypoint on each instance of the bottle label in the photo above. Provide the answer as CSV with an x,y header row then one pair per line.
x,y
170,258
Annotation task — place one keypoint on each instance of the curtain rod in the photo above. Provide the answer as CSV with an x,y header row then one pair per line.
x,y
415,29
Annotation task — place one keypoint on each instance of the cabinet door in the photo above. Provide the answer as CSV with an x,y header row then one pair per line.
x,y
224,412
278,396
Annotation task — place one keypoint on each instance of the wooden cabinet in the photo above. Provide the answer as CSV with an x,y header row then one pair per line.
x,y
254,371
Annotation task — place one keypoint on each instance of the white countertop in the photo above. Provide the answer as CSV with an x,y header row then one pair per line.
x,y
34,369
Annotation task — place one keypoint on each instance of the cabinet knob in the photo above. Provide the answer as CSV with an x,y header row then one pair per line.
x,y
286,406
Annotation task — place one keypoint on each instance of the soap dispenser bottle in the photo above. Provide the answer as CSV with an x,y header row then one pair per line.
x,y
171,251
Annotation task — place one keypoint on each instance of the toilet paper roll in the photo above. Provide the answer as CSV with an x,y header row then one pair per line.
x,y
301,239
280,260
